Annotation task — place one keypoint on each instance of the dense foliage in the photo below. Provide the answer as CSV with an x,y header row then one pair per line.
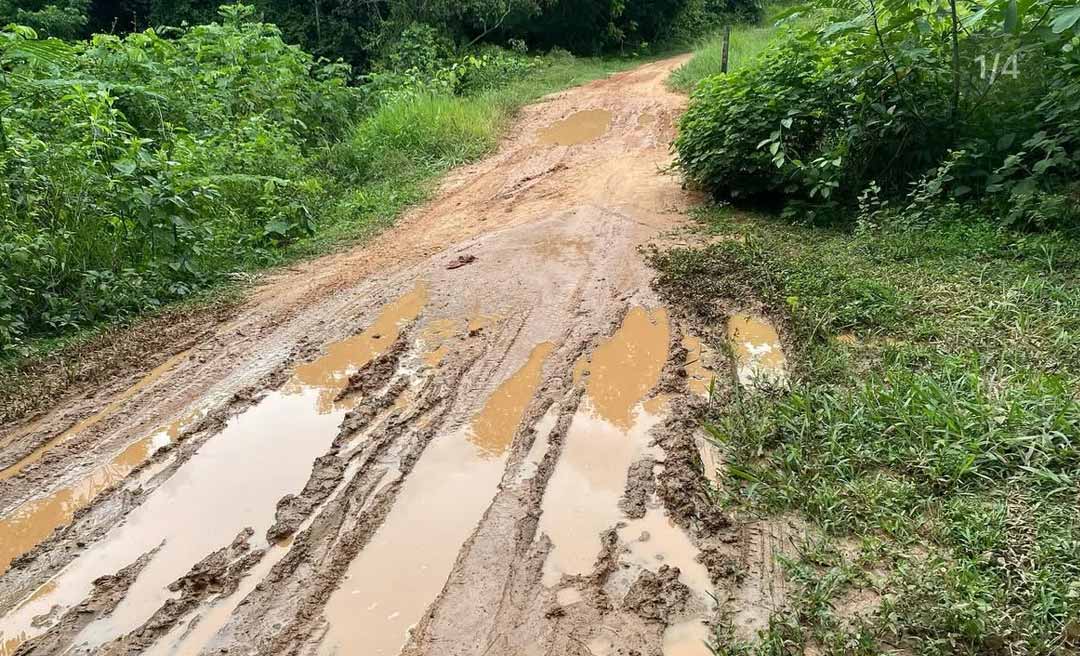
x,y
136,167
887,104
66,19
359,32
140,169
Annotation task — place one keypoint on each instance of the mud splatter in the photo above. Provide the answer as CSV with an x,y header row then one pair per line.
x,y
656,596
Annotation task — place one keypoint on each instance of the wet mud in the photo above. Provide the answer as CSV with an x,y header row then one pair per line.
x,y
475,435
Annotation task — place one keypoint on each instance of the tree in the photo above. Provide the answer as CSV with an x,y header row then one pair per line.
x,y
64,19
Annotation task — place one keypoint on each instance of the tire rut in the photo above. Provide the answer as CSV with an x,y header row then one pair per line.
x,y
496,369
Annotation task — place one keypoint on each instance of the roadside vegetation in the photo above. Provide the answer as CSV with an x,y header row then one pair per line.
x,y
749,39
141,168
910,222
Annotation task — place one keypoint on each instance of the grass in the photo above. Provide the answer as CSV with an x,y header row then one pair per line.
x,y
931,435
748,42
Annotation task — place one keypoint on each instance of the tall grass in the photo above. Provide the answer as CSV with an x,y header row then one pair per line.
x,y
748,42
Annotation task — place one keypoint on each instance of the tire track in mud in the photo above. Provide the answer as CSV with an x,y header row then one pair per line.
x,y
529,355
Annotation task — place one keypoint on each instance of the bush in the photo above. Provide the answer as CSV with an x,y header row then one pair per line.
x,y
826,116
139,169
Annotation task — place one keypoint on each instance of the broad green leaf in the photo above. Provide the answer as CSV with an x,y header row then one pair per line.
x,y
1065,19
125,166
1012,22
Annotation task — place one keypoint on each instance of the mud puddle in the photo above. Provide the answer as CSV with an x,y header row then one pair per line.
x,y
26,526
89,422
655,540
760,360
688,638
577,128
232,482
403,568
607,435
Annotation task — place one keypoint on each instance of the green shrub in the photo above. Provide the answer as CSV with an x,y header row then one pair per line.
x,y
871,103
139,169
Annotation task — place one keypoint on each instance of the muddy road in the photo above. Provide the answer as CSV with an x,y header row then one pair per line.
x,y
473,435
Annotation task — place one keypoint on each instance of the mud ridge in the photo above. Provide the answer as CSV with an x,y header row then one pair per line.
x,y
295,590
108,592
505,537
217,575
329,469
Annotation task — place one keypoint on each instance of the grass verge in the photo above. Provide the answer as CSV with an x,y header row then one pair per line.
x,y
931,434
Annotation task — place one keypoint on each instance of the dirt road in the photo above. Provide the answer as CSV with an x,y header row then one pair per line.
x,y
470,436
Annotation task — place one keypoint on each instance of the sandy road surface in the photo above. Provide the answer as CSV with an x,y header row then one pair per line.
x,y
468,437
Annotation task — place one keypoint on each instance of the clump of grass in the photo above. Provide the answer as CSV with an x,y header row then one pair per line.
x,y
941,435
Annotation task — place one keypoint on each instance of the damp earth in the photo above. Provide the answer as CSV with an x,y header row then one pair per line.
x,y
381,454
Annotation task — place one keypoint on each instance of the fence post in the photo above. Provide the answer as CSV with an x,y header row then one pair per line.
x,y
727,42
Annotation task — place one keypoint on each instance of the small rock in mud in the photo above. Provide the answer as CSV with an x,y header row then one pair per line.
x,y
461,261
657,596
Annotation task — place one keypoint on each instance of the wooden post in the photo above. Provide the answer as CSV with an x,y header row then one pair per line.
x,y
727,42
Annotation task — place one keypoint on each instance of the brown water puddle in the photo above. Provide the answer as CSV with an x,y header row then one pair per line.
x,y
404,566
608,433
26,526
90,421
655,540
688,638
699,378
577,128
234,481
760,360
